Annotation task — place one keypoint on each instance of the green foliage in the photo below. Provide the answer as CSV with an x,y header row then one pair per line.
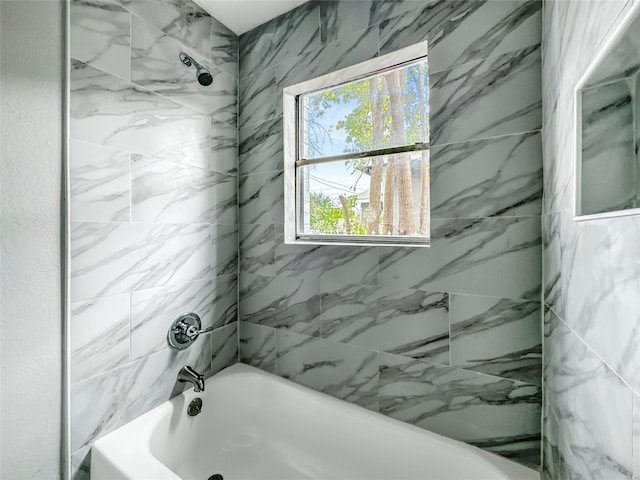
x,y
327,215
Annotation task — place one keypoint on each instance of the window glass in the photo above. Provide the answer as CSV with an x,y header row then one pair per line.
x,y
378,111
382,195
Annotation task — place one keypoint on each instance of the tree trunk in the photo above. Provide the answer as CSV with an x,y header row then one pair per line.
x,y
402,162
345,209
389,190
377,131
424,166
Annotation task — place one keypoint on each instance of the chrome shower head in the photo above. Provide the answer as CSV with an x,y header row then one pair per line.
x,y
202,74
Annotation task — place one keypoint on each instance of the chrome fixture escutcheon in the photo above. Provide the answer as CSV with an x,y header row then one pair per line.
x,y
184,331
195,407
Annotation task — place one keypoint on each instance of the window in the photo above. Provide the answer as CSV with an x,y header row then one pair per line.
x,y
357,154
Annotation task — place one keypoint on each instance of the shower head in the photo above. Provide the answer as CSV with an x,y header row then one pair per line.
x,y
202,74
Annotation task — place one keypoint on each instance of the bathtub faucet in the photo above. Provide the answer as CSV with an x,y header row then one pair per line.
x,y
188,374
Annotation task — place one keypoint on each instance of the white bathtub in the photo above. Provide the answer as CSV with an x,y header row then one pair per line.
x,y
256,426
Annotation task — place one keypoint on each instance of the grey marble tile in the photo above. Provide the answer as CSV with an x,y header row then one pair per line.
x,y
224,148
100,182
496,414
601,278
636,437
552,261
99,35
357,47
254,48
335,265
286,303
460,32
258,98
261,198
486,178
413,323
551,458
153,310
181,19
224,249
98,406
497,336
340,19
297,31
99,331
486,98
258,346
169,192
257,249
224,347
81,464
593,406
465,253
113,258
609,164
261,147
153,378
343,371
109,111
155,65
224,48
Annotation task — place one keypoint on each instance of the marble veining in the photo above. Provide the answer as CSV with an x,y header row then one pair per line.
x,y
134,389
499,414
181,19
333,265
465,252
278,302
112,258
486,178
155,66
168,192
224,148
608,157
99,333
497,336
100,185
349,309
486,98
224,249
348,373
258,346
413,323
257,249
224,347
258,98
261,198
593,405
153,310
153,159
109,111
224,48
100,35
261,148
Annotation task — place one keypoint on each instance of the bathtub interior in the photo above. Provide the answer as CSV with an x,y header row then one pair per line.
x,y
256,425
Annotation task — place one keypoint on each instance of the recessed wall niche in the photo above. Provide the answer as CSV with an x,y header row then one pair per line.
x,y
608,128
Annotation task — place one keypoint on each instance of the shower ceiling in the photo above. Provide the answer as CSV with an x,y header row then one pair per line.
x,y
243,15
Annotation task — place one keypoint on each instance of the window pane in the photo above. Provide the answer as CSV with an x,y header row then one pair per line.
x,y
385,195
380,111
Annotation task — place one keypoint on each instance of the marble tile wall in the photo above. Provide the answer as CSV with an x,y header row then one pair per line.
x,y
591,277
154,206
447,338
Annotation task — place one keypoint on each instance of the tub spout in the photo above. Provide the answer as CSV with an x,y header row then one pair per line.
x,y
188,374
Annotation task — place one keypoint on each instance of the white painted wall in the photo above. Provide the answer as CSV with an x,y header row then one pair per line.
x,y
31,63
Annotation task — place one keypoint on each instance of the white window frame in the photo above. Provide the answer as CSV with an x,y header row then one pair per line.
x,y
291,133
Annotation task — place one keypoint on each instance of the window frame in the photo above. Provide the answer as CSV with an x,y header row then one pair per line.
x,y
292,134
